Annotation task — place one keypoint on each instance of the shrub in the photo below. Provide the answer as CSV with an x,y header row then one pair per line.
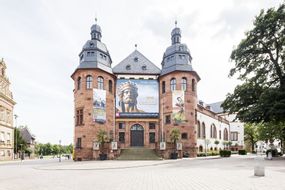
x,y
225,153
213,153
201,154
242,152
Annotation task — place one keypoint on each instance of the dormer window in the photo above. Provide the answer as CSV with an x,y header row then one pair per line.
x,y
128,67
144,67
91,44
136,59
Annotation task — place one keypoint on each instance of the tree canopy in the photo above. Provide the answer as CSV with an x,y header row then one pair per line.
x,y
260,64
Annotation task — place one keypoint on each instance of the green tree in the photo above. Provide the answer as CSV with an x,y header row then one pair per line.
x,y
251,134
102,138
55,149
271,131
174,137
260,64
19,143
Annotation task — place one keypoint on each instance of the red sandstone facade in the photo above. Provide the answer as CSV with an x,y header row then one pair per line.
x,y
95,63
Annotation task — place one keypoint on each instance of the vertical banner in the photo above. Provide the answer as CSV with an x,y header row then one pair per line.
x,y
178,107
99,105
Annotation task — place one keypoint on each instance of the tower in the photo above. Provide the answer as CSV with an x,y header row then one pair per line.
x,y
178,94
93,96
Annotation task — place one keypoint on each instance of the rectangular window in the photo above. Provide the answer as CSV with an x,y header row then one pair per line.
x,y
79,117
151,137
121,125
151,125
121,137
2,137
78,143
8,138
163,87
220,134
167,119
184,136
234,136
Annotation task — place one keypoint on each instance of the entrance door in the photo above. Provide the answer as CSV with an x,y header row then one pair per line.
x,y
137,135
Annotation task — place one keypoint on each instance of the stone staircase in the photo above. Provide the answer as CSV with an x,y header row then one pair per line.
x,y
138,154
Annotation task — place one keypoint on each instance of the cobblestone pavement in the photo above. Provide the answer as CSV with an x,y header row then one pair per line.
x,y
235,173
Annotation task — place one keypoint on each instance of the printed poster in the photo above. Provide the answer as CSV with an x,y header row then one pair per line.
x,y
99,105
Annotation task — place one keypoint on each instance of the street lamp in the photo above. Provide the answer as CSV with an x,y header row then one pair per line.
x,y
22,156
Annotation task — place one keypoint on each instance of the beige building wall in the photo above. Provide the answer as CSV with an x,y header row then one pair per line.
x,y
6,116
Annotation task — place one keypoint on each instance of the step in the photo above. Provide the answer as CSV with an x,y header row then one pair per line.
x,y
138,154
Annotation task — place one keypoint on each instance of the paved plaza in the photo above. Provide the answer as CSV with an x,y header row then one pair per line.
x,y
216,173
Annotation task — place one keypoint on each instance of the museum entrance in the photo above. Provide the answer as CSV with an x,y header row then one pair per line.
x,y
137,135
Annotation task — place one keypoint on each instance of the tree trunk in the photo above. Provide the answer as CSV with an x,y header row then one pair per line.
x,y
252,146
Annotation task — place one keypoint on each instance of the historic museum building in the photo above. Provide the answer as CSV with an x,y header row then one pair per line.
x,y
6,116
137,104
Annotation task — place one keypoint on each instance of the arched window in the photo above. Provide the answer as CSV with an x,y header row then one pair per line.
x,y
184,84
213,131
173,84
199,129
89,80
203,131
193,85
100,82
226,135
78,83
163,87
110,86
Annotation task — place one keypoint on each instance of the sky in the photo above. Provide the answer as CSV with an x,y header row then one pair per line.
x,y
40,41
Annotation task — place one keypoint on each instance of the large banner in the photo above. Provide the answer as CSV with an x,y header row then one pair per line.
x,y
99,105
137,98
178,107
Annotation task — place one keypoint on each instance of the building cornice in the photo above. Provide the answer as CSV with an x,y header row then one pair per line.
x,y
10,100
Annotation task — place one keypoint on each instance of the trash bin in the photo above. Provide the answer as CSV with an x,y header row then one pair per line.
x,y
259,166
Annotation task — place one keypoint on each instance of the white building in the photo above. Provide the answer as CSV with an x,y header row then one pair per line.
x,y
215,125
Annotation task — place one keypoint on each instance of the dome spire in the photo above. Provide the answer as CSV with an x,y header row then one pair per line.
x,y
176,35
96,31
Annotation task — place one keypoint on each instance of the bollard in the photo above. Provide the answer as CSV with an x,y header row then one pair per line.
x,y
269,155
259,166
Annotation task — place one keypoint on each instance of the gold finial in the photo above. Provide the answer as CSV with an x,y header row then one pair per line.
x,y
175,23
96,19
136,45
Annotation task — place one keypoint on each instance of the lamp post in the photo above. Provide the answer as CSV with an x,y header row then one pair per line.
x,y
59,151
16,145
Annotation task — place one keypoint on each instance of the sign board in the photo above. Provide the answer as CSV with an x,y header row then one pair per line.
x,y
162,146
179,146
96,146
114,145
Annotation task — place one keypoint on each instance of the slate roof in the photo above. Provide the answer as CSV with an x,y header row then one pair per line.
x,y
26,135
136,63
216,107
